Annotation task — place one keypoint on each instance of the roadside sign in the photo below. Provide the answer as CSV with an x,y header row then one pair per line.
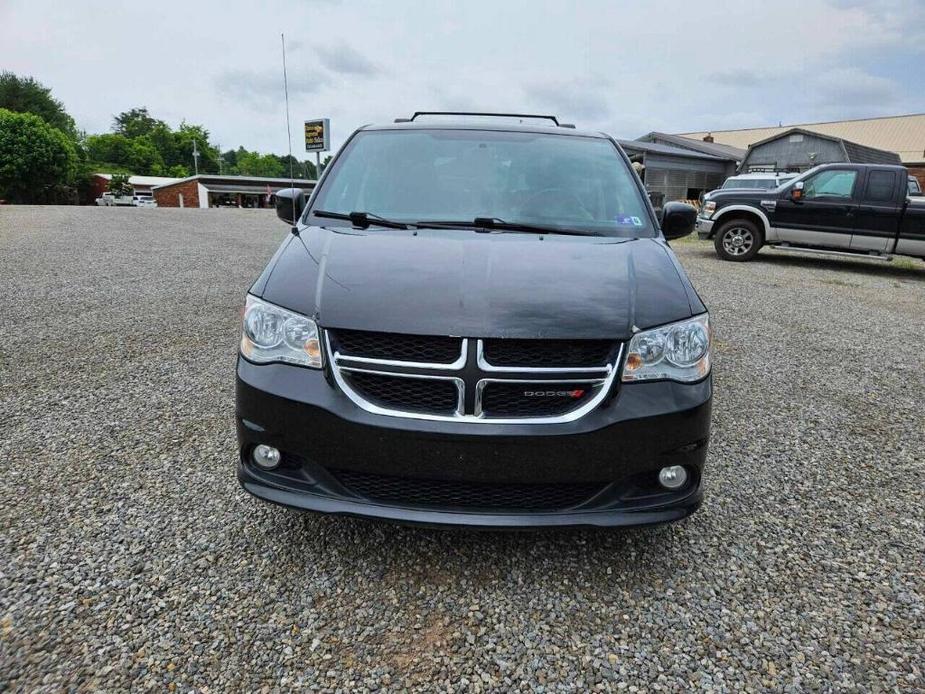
x,y
318,135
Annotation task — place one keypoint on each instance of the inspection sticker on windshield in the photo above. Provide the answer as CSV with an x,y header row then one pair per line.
x,y
626,220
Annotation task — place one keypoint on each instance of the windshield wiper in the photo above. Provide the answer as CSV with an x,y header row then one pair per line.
x,y
362,219
489,223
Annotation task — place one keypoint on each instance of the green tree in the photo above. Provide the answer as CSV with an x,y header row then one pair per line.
x,y
109,150
183,148
144,158
37,161
136,122
119,185
255,164
25,95
177,171
230,161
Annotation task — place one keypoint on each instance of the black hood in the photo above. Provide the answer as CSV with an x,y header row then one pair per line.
x,y
472,284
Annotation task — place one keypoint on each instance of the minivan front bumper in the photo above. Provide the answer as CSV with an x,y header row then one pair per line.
x,y
615,452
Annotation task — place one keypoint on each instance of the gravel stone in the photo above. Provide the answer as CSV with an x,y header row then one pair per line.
x,y
131,559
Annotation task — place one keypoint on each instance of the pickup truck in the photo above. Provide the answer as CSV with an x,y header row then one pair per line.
x,y
855,209
110,200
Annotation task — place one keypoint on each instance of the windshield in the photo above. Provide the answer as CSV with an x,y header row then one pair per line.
x,y
569,182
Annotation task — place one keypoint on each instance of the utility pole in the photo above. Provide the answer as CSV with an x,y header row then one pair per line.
x,y
195,158
221,159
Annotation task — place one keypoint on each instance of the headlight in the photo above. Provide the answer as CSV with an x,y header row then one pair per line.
x,y
273,334
708,209
676,352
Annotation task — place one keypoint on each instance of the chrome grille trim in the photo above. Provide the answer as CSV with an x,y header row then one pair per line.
x,y
378,409
455,366
342,363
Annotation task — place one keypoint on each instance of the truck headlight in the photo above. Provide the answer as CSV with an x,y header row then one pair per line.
x,y
274,334
675,352
708,209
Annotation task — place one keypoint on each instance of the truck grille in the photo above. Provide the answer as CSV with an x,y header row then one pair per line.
x,y
466,495
493,381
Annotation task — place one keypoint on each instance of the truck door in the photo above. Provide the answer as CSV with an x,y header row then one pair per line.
x,y
878,212
825,214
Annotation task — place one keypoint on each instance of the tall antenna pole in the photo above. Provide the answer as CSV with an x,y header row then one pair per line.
x,y
288,130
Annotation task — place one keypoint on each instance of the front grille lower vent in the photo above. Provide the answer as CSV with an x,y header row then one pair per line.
x,y
435,396
513,399
466,495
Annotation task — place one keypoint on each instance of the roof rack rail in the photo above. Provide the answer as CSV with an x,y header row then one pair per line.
x,y
484,114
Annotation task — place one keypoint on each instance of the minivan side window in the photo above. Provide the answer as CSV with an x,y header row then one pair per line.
x,y
834,183
880,186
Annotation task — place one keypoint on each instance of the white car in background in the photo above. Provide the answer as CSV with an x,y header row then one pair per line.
x,y
110,200
144,200
767,180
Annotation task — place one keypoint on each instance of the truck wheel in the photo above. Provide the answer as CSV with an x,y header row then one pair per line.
x,y
738,240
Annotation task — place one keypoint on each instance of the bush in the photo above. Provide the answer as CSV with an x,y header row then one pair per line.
x,y
37,161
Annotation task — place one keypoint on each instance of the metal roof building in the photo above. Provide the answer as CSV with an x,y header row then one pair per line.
x,y
99,184
704,147
798,149
211,190
904,135
678,173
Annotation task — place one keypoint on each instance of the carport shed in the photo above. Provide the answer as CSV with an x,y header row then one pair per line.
x,y
678,173
799,149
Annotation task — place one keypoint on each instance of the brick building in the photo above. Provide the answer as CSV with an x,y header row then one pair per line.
x,y
141,185
207,190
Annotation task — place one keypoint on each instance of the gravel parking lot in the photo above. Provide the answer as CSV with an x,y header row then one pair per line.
x,y
129,557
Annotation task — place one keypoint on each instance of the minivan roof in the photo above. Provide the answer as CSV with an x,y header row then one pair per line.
x,y
485,125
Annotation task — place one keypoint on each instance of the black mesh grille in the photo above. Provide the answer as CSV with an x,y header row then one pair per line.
x,y
422,348
433,396
502,399
548,353
469,495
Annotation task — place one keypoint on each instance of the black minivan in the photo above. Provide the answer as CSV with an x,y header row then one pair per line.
x,y
477,321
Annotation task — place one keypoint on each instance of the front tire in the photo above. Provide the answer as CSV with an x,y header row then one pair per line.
x,y
738,240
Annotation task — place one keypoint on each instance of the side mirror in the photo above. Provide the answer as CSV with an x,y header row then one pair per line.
x,y
289,204
796,193
678,219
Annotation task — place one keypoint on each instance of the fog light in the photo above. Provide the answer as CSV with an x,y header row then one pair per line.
x,y
266,457
673,477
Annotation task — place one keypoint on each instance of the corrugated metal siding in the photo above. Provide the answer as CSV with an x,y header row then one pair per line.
x,y
904,135
786,155
675,183
859,154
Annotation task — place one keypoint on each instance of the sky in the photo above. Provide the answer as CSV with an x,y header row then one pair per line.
x,y
625,68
